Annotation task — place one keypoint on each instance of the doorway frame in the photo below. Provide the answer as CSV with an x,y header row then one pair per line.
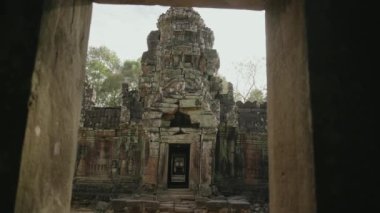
x,y
65,29
187,148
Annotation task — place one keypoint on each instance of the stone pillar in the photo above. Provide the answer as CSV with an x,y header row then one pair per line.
x,y
102,161
206,168
290,144
51,135
123,162
81,170
151,166
123,168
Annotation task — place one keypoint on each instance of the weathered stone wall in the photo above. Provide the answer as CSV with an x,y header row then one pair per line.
x,y
108,163
241,156
253,141
178,89
102,118
183,102
227,164
110,149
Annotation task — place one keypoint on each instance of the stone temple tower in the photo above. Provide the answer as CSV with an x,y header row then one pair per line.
x,y
178,90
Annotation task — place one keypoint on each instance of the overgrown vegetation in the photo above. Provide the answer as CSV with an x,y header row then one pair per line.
x,y
105,73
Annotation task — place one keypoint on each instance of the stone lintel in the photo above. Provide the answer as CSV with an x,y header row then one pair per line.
x,y
190,103
169,100
169,110
236,4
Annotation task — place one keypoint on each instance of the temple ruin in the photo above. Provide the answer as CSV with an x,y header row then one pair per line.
x,y
180,129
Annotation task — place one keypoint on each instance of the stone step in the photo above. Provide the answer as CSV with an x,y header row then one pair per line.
x,y
183,210
177,194
177,204
185,203
173,194
168,207
176,200
180,207
178,191
166,198
167,210
167,203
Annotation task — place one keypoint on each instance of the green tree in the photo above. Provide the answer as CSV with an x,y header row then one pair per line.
x,y
105,74
131,71
102,69
111,90
257,95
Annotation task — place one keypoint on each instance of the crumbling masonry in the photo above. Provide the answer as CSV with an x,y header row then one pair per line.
x,y
180,129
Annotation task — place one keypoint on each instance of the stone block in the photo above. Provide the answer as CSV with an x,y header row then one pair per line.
x,y
193,96
165,123
152,115
208,120
170,100
153,122
118,205
154,136
239,205
189,103
176,96
150,171
217,205
200,210
205,190
168,109
195,116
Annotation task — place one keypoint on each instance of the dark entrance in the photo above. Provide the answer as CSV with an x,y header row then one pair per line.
x,y
178,166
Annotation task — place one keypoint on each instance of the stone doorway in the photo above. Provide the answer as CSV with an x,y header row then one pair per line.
x,y
178,165
64,30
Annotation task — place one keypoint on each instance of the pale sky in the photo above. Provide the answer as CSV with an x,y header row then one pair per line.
x,y
239,34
